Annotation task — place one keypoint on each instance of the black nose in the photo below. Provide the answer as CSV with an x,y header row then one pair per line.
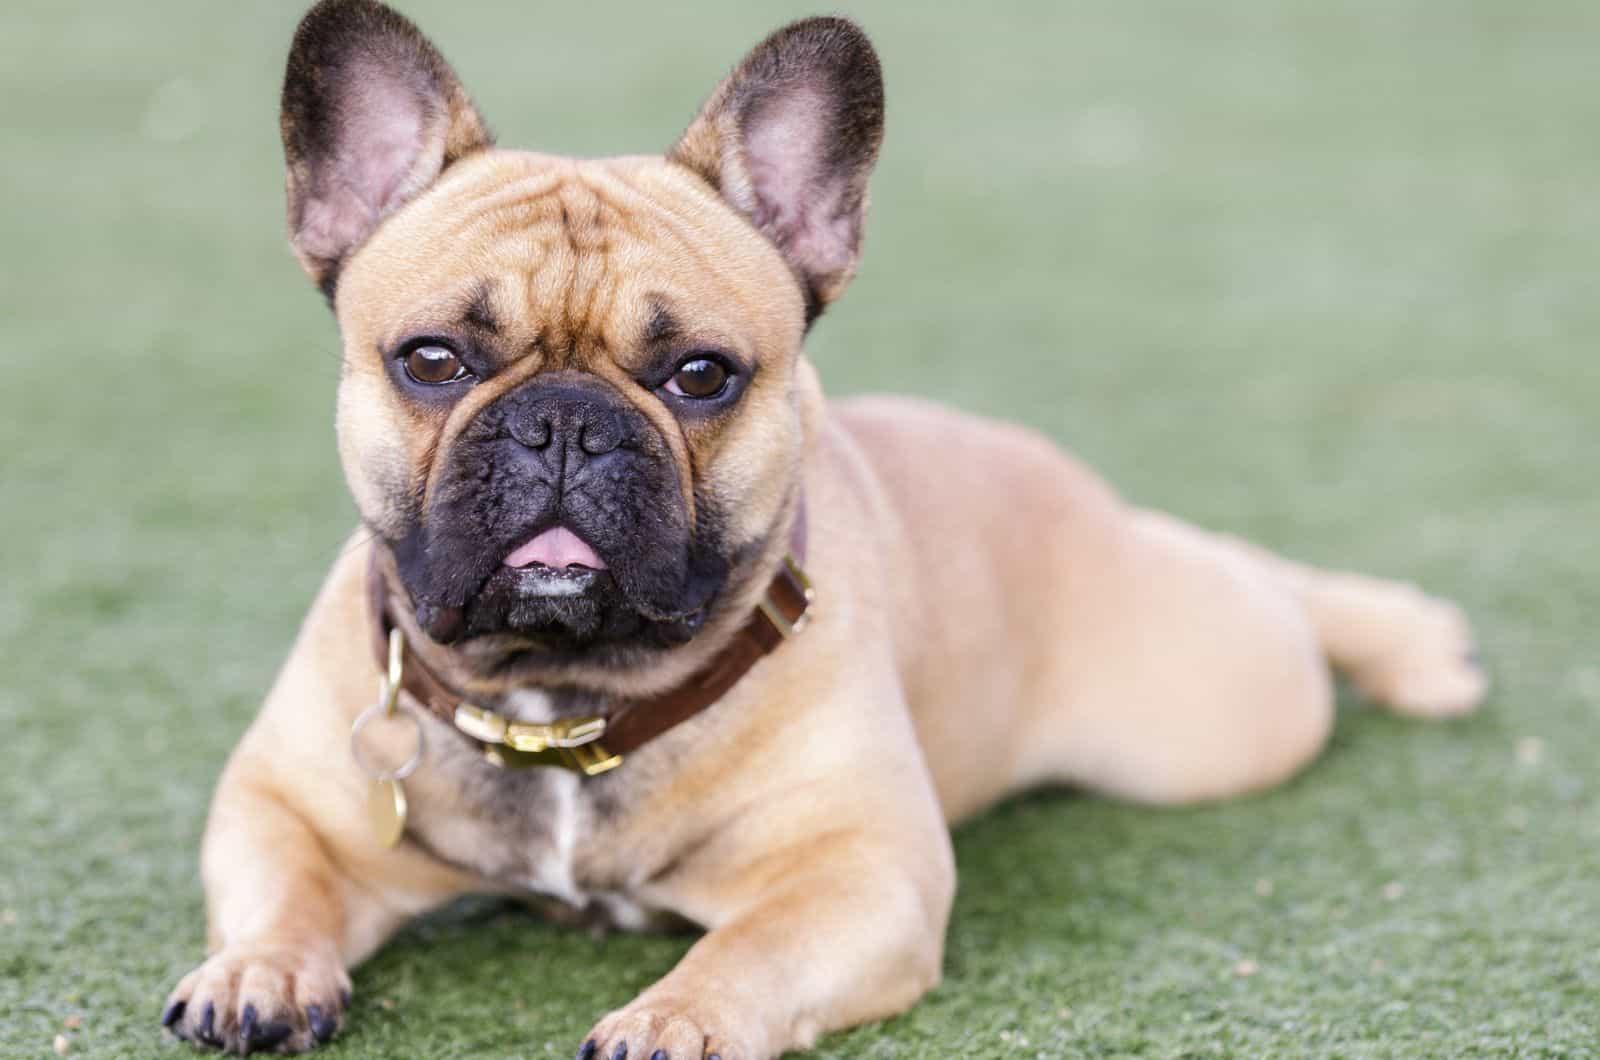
x,y
558,421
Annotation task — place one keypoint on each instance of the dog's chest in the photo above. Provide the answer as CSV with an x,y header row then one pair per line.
x,y
522,829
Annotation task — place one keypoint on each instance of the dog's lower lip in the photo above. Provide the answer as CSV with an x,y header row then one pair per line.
x,y
538,579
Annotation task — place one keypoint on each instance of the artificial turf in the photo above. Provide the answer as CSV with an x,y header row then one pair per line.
x,y
1321,273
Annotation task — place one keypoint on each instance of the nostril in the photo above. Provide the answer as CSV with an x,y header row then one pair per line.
x,y
601,433
532,431
559,423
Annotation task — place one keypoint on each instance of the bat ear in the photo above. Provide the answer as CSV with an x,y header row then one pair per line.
x,y
789,140
372,114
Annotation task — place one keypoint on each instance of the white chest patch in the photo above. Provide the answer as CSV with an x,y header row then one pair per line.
x,y
550,868
518,828
549,865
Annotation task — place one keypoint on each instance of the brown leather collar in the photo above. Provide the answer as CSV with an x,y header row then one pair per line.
x,y
594,745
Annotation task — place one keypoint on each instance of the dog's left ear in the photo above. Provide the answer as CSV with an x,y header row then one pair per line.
x,y
372,114
789,140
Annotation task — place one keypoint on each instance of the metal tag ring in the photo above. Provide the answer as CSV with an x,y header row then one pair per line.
x,y
406,768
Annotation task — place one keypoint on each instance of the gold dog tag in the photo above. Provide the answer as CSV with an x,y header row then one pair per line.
x,y
386,799
386,811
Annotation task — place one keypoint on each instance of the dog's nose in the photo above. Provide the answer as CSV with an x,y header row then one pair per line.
x,y
560,421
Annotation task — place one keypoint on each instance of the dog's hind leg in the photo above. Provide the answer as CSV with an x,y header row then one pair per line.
x,y
1194,667
1404,649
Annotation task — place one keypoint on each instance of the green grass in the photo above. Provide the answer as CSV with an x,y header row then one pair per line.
x,y
1319,273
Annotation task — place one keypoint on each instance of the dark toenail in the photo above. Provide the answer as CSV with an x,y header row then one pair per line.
x,y
322,1025
620,1052
271,1034
587,1052
344,998
207,1028
660,1054
173,1012
247,1023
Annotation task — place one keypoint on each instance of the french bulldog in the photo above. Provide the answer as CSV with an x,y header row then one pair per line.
x,y
639,625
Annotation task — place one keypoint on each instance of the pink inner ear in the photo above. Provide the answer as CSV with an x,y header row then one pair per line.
x,y
383,136
799,202
385,117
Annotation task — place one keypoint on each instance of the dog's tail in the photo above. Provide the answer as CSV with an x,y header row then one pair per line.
x,y
1409,651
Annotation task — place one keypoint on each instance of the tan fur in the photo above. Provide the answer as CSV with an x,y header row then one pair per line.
x,y
991,617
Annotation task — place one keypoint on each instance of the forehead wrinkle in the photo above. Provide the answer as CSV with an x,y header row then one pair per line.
x,y
614,295
547,223
562,260
472,250
623,263
671,221
591,258
687,234
529,193
531,210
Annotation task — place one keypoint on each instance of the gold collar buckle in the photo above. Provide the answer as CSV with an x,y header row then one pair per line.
x,y
570,743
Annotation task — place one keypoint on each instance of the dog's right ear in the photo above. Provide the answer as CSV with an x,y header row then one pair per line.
x,y
372,114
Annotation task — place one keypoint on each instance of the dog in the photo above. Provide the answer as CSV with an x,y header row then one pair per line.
x,y
642,627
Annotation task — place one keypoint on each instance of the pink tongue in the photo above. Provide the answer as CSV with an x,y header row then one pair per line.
x,y
557,547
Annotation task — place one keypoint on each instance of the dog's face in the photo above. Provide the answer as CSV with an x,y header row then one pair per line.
x,y
569,398
573,395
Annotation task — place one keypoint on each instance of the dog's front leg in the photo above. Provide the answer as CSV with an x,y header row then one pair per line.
x,y
295,895
837,930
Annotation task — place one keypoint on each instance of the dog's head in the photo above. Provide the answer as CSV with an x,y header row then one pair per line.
x,y
573,400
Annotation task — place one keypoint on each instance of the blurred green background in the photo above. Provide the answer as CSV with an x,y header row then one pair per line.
x,y
1322,273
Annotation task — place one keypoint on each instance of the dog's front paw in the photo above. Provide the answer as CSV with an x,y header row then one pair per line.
x,y
260,998
668,1027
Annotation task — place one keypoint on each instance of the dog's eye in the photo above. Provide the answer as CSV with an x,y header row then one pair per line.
x,y
699,377
434,364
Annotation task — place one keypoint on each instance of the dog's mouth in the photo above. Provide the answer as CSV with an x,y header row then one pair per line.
x,y
560,605
555,562
553,590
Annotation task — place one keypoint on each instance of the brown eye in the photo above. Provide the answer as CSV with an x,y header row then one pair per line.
x,y
433,365
699,378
